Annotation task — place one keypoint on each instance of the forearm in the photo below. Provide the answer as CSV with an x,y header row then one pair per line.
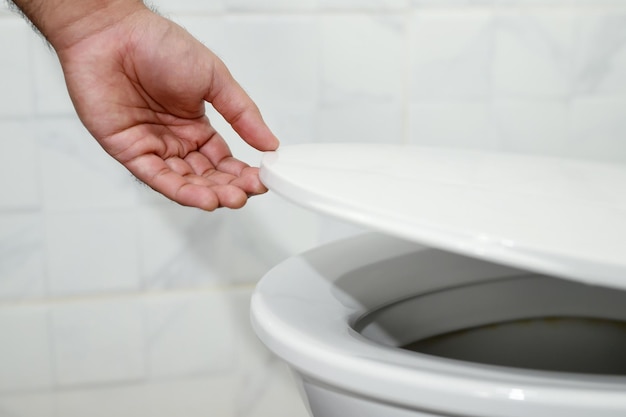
x,y
66,22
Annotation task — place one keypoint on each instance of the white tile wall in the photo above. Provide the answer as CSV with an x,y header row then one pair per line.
x,y
31,405
374,5
467,124
76,173
538,127
22,256
275,5
189,334
187,6
20,168
91,251
451,54
367,121
362,55
600,57
597,129
115,301
159,354
534,53
280,385
25,349
362,71
196,397
97,342
119,400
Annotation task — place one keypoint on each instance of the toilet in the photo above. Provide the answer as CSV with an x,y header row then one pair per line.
x,y
490,285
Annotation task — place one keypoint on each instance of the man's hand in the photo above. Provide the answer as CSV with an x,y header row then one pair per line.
x,y
139,84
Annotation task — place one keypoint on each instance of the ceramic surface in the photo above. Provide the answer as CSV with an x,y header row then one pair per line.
x,y
551,215
306,308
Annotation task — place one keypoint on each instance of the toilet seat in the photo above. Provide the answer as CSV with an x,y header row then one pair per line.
x,y
301,313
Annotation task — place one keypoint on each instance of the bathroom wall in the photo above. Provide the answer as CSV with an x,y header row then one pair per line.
x,y
115,301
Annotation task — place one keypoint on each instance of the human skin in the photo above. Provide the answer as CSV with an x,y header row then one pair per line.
x,y
139,84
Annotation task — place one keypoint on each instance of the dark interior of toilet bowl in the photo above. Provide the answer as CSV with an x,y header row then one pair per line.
x,y
564,344
531,322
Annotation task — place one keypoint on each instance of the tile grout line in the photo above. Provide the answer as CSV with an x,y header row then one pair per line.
x,y
406,95
146,294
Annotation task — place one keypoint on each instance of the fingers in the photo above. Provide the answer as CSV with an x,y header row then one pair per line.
x,y
176,180
197,168
234,104
159,176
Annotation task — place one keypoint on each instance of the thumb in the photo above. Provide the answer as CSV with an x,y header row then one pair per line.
x,y
234,104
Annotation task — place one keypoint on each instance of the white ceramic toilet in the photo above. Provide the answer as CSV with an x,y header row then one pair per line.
x,y
495,284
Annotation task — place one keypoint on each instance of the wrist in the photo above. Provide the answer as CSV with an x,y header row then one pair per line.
x,y
66,22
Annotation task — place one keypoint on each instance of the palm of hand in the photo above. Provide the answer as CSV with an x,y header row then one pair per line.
x,y
140,89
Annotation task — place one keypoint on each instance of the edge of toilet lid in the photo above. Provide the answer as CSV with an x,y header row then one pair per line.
x,y
551,215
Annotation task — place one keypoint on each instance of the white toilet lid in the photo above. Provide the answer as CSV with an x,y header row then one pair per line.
x,y
556,216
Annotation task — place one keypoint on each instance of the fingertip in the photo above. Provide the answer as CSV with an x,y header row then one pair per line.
x,y
250,182
210,199
199,196
275,144
252,128
270,140
230,196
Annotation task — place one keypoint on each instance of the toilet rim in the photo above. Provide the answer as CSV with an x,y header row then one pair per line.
x,y
309,327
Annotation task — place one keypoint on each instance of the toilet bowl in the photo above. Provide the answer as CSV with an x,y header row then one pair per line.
x,y
339,314
434,318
